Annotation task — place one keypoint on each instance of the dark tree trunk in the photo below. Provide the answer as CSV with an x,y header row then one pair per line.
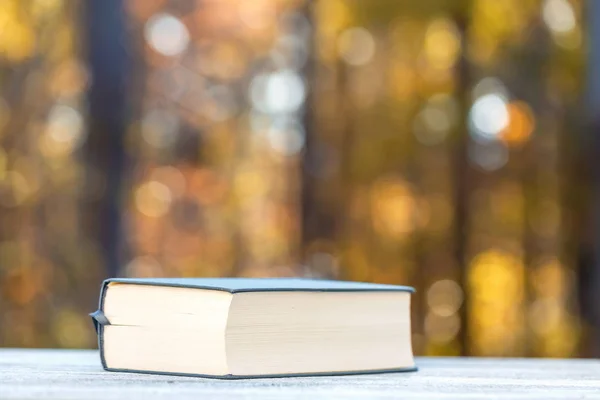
x,y
462,174
308,208
104,152
589,175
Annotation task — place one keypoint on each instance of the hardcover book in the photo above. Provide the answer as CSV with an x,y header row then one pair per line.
x,y
237,327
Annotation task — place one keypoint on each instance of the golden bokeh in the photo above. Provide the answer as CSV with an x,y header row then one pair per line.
x,y
280,138
393,208
496,289
521,124
442,44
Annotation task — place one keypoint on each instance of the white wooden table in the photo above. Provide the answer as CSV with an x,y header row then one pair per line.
x,y
77,374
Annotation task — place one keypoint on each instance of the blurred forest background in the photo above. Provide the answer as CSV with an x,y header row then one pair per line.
x,y
444,144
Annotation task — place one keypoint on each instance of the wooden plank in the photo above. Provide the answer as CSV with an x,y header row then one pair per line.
x,y
77,374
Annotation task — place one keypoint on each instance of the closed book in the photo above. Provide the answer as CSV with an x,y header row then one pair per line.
x,y
238,327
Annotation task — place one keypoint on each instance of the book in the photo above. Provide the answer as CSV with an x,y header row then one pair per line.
x,y
256,327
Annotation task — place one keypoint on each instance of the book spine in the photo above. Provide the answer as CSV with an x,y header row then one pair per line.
x,y
99,319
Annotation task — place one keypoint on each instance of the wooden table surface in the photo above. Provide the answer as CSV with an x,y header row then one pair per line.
x,y
77,374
